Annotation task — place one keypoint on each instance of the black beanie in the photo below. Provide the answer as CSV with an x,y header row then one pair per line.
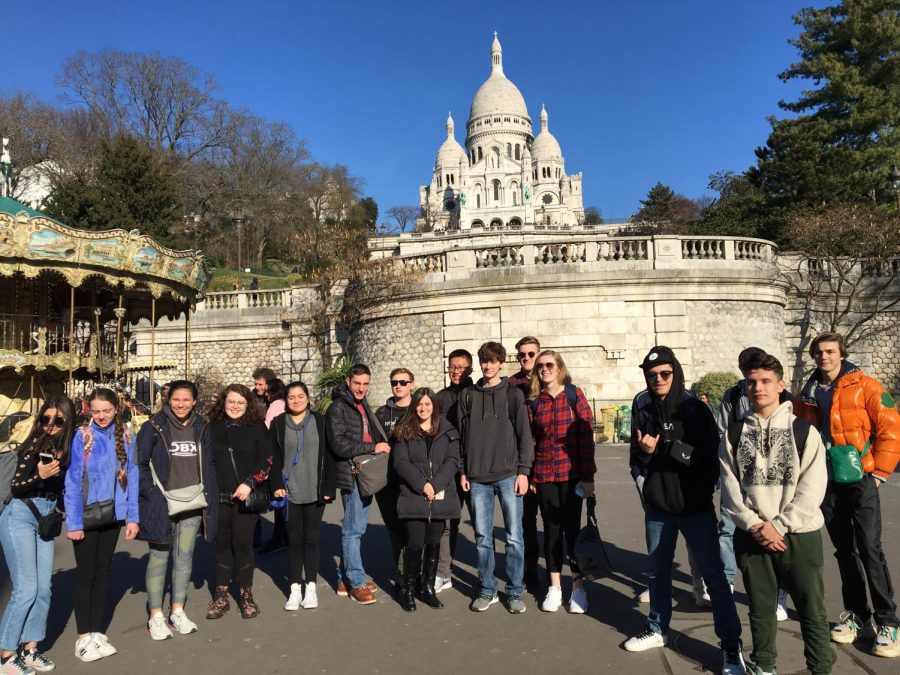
x,y
657,355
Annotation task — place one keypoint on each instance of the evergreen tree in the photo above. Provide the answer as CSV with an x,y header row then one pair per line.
x,y
840,146
657,207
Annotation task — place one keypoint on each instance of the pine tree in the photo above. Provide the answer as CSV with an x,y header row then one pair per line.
x,y
657,207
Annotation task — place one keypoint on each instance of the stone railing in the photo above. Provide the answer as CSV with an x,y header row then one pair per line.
x,y
652,250
230,300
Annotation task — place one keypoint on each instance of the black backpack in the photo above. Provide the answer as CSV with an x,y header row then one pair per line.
x,y
571,397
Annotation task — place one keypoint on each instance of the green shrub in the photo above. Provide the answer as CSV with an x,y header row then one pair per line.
x,y
714,385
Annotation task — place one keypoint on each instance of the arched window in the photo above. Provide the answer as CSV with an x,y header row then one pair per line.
x,y
534,173
518,153
480,156
515,199
439,180
509,150
478,200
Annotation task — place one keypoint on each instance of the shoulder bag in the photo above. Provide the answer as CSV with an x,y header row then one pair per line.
x,y
258,499
96,515
590,553
188,498
49,526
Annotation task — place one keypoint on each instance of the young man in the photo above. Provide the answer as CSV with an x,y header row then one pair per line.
x,y
402,383
674,460
352,431
772,487
861,429
260,377
527,350
499,452
459,370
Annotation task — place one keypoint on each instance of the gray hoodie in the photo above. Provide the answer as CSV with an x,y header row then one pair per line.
x,y
496,435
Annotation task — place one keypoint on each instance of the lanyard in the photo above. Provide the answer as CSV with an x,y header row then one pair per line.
x,y
300,437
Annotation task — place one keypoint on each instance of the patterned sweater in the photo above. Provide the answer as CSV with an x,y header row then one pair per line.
x,y
765,479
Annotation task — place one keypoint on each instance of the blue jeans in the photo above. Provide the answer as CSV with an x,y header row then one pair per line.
x,y
726,544
356,518
30,562
699,532
483,511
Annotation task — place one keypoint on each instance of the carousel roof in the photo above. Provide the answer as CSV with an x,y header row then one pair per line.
x,y
32,242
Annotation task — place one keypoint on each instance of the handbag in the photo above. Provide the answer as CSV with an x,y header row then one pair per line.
x,y
846,463
258,499
370,471
188,498
96,515
49,526
590,553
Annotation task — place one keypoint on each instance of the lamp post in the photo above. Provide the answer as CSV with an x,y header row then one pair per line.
x,y
238,221
895,181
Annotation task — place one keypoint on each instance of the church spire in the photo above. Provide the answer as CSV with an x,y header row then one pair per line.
x,y
496,56
449,125
544,118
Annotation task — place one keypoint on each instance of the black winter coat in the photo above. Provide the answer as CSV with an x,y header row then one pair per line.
x,y
153,442
326,468
416,466
345,432
252,453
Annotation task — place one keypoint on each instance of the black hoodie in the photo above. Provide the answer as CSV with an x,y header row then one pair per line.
x,y
668,485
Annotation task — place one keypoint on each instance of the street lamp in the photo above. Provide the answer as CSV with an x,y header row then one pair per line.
x,y
238,221
895,181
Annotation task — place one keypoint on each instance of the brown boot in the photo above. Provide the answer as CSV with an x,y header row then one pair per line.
x,y
249,609
219,604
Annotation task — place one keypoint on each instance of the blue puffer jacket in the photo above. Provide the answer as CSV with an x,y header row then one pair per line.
x,y
102,469
153,442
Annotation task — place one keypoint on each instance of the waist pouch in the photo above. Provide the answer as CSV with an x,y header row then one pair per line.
x,y
846,463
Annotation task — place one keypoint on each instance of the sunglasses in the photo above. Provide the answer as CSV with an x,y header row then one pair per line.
x,y
46,421
399,383
546,366
530,355
664,375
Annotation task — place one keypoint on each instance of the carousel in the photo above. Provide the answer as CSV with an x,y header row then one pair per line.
x,y
69,300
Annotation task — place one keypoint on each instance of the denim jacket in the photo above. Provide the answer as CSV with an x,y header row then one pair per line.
x,y
102,469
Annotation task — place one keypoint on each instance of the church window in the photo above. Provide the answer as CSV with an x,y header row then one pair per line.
x,y
534,173
506,119
509,149
452,179
496,119
518,152
480,156
478,200
515,199
496,185
516,120
439,181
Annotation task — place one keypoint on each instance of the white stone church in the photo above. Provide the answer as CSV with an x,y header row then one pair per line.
x,y
505,176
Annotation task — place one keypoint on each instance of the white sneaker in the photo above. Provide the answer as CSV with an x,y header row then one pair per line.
x,y
158,628
103,644
182,623
442,584
781,613
701,595
553,601
644,596
646,640
310,599
87,650
293,602
578,603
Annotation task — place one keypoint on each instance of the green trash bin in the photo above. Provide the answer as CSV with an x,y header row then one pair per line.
x,y
623,423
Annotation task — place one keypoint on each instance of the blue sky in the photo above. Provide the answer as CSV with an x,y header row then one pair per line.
x,y
637,91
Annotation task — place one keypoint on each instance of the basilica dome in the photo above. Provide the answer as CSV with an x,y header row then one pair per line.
x,y
545,145
450,152
498,94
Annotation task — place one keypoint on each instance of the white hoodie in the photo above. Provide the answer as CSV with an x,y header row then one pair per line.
x,y
765,480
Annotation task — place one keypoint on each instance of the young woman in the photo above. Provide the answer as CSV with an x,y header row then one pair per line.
x,y
38,483
102,468
304,472
426,458
275,404
173,453
275,394
243,455
562,427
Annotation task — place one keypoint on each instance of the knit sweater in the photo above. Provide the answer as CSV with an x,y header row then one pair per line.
x,y
765,478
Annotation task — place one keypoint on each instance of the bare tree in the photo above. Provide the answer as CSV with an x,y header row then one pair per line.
x,y
403,215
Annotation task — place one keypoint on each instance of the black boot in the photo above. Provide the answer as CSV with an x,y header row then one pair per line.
x,y
429,570
412,561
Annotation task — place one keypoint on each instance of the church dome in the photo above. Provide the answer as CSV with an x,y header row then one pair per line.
x,y
450,152
545,145
498,94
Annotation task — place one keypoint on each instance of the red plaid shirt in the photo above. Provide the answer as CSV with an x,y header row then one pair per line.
x,y
563,445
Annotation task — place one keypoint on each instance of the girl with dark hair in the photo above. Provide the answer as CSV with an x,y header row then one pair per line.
x,y
426,458
563,430
304,472
243,456
102,470
37,485
174,458
275,393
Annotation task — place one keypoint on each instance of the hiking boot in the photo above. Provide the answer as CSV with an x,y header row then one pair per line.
x,y
483,601
219,604
249,609
846,630
646,640
887,642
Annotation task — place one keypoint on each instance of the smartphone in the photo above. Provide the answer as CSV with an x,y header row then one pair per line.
x,y
46,457
579,491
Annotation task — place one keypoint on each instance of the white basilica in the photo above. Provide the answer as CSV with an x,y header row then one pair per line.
x,y
505,176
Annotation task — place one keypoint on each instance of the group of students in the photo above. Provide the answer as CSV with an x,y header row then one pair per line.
x,y
525,441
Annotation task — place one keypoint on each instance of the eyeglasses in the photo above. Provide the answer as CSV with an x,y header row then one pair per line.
x,y
399,383
546,366
530,355
236,404
457,369
46,421
664,376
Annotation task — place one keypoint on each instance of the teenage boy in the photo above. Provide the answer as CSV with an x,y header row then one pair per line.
x,y
773,481
402,384
352,431
459,370
499,453
674,460
861,429
527,350
260,377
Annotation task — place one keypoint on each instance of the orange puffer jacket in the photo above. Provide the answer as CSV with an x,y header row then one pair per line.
x,y
859,403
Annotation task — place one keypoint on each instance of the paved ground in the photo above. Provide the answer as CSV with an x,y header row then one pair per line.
x,y
341,637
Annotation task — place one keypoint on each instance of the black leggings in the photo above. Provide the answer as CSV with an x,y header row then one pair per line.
x,y
386,498
561,513
303,523
421,532
93,559
234,545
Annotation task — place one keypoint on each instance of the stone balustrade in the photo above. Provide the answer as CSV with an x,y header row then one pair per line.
x,y
231,300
